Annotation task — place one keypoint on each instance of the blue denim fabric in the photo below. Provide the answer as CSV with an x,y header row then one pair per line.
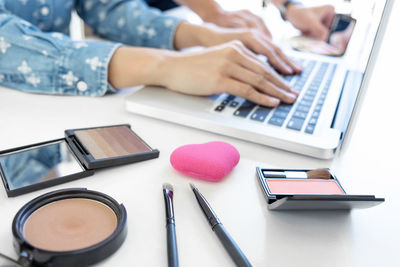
x,y
37,55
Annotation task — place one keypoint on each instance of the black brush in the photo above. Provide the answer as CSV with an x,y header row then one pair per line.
x,y
312,174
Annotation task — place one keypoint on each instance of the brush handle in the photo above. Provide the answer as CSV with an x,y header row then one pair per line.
x,y
231,247
171,246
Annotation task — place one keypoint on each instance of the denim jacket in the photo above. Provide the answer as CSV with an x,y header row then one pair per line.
x,y
37,55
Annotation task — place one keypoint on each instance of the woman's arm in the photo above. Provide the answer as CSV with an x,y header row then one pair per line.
x,y
47,62
211,11
131,22
226,66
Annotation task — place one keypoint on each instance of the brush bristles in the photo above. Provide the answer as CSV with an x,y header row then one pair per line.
x,y
168,186
192,186
319,174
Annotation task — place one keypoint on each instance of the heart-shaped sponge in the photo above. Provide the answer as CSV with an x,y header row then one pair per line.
x,y
210,161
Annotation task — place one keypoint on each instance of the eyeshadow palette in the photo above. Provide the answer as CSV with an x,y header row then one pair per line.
x,y
110,142
309,193
108,146
28,168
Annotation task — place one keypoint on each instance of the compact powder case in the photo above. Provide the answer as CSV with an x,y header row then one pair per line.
x,y
308,193
28,168
69,227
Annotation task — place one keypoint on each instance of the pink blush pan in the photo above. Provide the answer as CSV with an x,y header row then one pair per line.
x,y
304,186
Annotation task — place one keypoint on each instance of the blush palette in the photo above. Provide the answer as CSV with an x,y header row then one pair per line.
x,y
317,193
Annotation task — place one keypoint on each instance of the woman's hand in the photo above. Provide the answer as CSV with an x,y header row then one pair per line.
x,y
211,11
237,19
208,35
228,65
228,68
311,21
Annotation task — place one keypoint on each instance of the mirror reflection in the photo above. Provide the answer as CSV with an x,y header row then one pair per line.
x,y
38,164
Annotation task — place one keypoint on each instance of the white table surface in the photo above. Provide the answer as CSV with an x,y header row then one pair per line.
x,y
366,164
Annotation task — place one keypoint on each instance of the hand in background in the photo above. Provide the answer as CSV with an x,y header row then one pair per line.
x,y
311,21
237,19
254,40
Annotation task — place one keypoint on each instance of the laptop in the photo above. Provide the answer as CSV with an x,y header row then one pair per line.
x,y
316,124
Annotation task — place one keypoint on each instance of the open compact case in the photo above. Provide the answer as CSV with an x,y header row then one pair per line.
x,y
68,227
292,190
28,168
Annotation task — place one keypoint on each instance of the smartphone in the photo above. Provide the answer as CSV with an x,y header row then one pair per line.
x,y
342,24
339,36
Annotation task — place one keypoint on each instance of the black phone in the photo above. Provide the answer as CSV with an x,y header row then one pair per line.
x,y
341,23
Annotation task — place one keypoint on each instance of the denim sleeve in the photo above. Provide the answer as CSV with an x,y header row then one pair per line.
x,y
131,22
50,62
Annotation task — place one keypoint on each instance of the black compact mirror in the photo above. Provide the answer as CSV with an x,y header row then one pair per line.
x,y
33,167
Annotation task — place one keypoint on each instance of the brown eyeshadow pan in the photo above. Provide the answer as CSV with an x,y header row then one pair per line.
x,y
70,224
111,142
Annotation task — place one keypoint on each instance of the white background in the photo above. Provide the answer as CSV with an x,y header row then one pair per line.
x,y
367,164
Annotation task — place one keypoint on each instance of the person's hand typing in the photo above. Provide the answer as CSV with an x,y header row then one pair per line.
x,y
228,64
228,68
311,21
238,19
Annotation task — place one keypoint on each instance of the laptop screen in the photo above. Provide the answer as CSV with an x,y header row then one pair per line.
x,y
371,17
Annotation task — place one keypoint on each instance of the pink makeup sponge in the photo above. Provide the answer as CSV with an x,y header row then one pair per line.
x,y
210,161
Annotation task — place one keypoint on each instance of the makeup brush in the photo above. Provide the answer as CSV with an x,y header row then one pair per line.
x,y
229,244
312,174
168,192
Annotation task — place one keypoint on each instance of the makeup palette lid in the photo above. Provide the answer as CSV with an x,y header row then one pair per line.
x,y
107,146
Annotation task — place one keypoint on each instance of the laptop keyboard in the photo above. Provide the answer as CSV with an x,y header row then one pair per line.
x,y
312,85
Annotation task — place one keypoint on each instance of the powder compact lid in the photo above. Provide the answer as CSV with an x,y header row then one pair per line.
x,y
291,189
107,146
69,227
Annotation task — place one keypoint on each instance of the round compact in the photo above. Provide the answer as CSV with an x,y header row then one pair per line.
x,y
69,227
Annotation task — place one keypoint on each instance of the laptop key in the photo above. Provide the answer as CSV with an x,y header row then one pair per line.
x,y
289,78
315,114
318,107
225,102
299,114
219,108
313,121
245,109
310,128
284,107
303,108
276,121
280,114
260,114
306,103
295,124
230,97
234,104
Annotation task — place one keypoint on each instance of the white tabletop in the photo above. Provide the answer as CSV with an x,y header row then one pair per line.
x,y
367,164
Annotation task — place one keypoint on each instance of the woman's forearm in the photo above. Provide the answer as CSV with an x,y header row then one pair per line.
x,y
203,8
132,66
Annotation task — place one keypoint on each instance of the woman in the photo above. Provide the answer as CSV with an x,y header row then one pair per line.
x,y
36,55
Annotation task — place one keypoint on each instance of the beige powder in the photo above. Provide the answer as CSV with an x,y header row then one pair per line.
x,y
70,224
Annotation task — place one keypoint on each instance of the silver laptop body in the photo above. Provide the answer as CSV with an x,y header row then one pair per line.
x,y
315,125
